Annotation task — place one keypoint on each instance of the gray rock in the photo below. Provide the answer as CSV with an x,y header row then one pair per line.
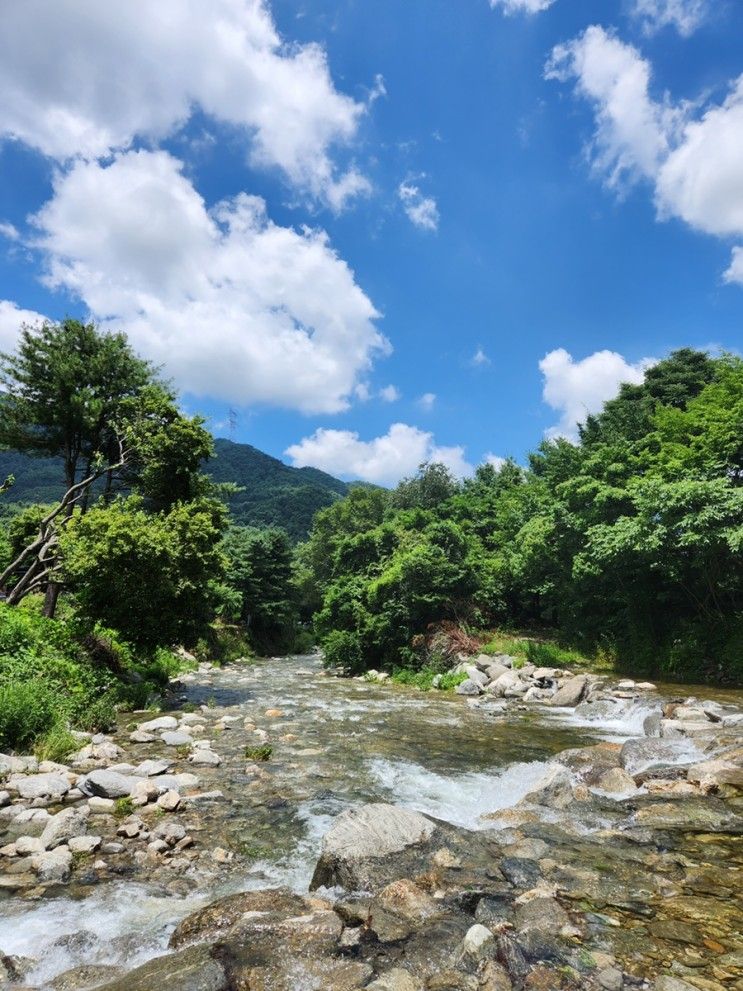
x,y
571,691
176,738
652,724
151,768
85,977
192,969
42,786
617,782
205,758
555,790
396,979
666,983
476,675
162,722
643,752
64,825
84,844
509,680
107,784
611,979
468,687
141,736
26,845
494,671
53,865
361,839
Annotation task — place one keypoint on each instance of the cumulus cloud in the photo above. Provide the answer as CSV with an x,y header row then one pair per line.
x,y
139,69
383,460
233,305
421,210
390,394
683,15
735,272
691,156
521,6
12,318
427,401
9,231
495,460
577,388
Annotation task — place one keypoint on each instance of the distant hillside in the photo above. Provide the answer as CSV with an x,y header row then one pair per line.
x,y
273,493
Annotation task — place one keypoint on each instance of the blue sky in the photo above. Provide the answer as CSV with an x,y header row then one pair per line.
x,y
381,233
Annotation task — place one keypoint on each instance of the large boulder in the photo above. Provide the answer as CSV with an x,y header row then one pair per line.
x,y
358,847
571,691
193,969
50,785
212,921
508,681
63,826
108,784
469,687
554,790
641,753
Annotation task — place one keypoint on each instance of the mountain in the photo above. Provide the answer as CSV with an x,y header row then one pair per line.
x,y
272,493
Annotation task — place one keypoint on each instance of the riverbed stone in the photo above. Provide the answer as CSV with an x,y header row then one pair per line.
x,y
51,785
53,865
617,782
468,687
361,839
192,969
64,825
508,681
554,790
396,979
570,692
85,977
205,758
712,774
700,815
151,768
108,784
161,723
218,917
640,753
176,738
84,844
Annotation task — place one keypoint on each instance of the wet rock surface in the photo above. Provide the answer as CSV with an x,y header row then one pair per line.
x,y
468,843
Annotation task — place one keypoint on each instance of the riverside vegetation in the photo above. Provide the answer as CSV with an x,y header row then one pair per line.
x,y
534,824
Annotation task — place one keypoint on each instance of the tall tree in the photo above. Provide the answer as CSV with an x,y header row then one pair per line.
x,y
62,390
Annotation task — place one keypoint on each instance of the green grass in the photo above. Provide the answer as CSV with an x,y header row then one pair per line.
x,y
57,745
261,753
542,651
423,679
123,807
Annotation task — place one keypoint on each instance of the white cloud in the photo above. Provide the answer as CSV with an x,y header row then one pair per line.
x,y
683,15
8,231
390,394
427,401
691,158
735,272
522,6
139,69
235,306
12,318
383,460
495,460
421,210
479,358
577,388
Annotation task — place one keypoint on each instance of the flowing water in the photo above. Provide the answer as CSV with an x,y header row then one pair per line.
x,y
335,743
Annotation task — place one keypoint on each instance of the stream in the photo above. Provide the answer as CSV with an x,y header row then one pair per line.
x,y
335,743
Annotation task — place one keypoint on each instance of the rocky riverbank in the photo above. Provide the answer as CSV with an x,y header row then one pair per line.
x,y
611,864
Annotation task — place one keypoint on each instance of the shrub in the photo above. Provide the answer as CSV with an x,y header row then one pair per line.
x,y
27,710
342,649
450,681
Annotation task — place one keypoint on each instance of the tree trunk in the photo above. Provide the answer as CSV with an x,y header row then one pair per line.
x,y
50,599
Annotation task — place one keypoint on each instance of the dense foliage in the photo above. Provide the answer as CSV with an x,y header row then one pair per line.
x,y
628,541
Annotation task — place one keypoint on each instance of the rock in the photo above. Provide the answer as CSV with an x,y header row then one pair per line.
x,y
641,753
546,675
712,774
144,791
554,790
99,804
4,799
468,687
141,736
666,983
651,725
169,801
193,969
476,675
171,832
571,691
355,847
50,785
176,738
210,922
192,719
162,722
107,784
407,900
26,845
507,681
494,671
396,979
84,844
85,977
589,763
617,782
477,942
206,758
53,865
702,815
611,979
152,768
63,826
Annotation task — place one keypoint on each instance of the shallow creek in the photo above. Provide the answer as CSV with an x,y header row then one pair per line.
x,y
334,743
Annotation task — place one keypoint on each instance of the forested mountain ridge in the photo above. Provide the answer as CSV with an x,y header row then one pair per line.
x,y
272,493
